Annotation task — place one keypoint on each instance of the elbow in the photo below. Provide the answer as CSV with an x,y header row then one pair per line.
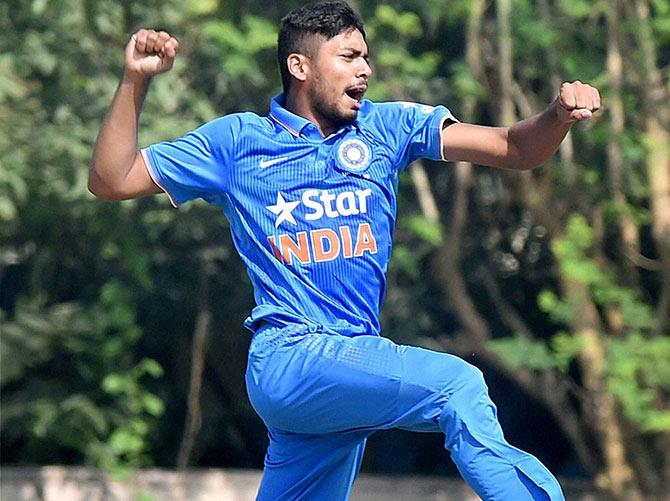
x,y
95,186
530,163
104,193
519,160
98,188
517,163
522,165
520,154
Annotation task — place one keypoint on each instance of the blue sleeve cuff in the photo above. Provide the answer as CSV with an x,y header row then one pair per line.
x,y
150,162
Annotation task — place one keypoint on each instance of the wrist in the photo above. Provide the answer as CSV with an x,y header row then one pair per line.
x,y
135,79
135,86
560,113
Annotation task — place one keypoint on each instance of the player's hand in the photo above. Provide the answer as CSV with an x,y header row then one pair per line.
x,y
577,101
150,52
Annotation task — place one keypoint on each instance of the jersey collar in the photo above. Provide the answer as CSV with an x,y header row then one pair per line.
x,y
295,124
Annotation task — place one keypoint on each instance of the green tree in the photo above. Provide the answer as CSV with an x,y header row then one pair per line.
x,y
556,279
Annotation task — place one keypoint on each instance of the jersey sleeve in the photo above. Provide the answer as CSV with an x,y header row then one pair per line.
x,y
413,130
195,165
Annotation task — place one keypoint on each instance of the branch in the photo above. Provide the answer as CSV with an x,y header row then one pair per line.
x,y
506,311
424,194
200,338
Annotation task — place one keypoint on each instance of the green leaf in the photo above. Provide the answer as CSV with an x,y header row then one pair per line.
x,y
404,259
152,404
117,384
151,367
202,7
464,82
426,230
124,442
559,311
406,24
578,9
518,352
566,348
638,368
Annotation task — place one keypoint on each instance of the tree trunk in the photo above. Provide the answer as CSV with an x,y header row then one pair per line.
x,y
198,350
567,148
657,124
629,234
504,14
617,475
548,388
447,259
657,121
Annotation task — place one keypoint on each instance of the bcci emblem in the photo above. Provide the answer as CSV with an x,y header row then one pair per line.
x,y
353,154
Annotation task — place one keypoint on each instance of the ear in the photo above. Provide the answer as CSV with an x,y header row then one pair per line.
x,y
298,66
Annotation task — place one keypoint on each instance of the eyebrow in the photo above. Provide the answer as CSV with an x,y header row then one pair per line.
x,y
355,52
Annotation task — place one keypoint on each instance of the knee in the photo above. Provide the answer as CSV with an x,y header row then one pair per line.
x,y
469,381
469,406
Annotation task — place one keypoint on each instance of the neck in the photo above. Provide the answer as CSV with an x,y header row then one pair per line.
x,y
299,104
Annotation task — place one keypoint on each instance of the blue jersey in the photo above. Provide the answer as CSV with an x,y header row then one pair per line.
x,y
311,217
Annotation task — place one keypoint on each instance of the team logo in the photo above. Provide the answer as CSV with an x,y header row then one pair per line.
x,y
347,239
283,210
353,154
320,204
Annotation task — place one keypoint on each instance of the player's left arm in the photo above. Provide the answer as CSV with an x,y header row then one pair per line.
x,y
528,143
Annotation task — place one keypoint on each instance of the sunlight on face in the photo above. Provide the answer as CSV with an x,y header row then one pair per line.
x,y
339,78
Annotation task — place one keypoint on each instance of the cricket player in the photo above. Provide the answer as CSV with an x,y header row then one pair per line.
x,y
310,193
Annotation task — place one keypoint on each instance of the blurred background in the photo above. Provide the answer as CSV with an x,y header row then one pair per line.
x,y
121,323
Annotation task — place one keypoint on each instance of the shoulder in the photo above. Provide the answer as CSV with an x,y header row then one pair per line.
x,y
399,120
375,117
393,113
394,107
232,123
372,110
226,131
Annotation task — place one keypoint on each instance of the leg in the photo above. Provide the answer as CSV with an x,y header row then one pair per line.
x,y
325,383
318,383
495,469
441,392
306,467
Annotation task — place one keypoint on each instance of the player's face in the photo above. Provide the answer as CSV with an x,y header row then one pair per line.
x,y
340,73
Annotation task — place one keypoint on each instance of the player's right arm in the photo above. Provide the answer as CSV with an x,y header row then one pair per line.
x,y
117,169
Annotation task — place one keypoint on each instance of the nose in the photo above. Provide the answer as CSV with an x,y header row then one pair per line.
x,y
365,69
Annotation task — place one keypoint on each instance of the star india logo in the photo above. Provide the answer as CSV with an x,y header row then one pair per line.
x,y
354,154
283,210
319,243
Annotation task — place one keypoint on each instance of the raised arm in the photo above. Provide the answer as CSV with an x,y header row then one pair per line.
x,y
117,169
528,143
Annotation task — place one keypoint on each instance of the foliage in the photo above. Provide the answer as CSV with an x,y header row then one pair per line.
x,y
639,371
638,364
98,300
83,391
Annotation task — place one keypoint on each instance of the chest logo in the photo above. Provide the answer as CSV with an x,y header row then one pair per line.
x,y
272,161
321,203
322,243
283,210
353,154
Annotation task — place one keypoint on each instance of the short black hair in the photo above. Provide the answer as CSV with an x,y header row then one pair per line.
x,y
298,28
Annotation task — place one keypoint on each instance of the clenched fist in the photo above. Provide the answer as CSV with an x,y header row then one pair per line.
x,y
150,52
577,101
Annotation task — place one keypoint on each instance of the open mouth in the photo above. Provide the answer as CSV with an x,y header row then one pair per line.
x,y
356,93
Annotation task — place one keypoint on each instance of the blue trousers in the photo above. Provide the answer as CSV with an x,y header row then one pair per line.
x,y
321,394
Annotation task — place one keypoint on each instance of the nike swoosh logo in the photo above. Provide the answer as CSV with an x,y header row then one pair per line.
x,y
267,163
